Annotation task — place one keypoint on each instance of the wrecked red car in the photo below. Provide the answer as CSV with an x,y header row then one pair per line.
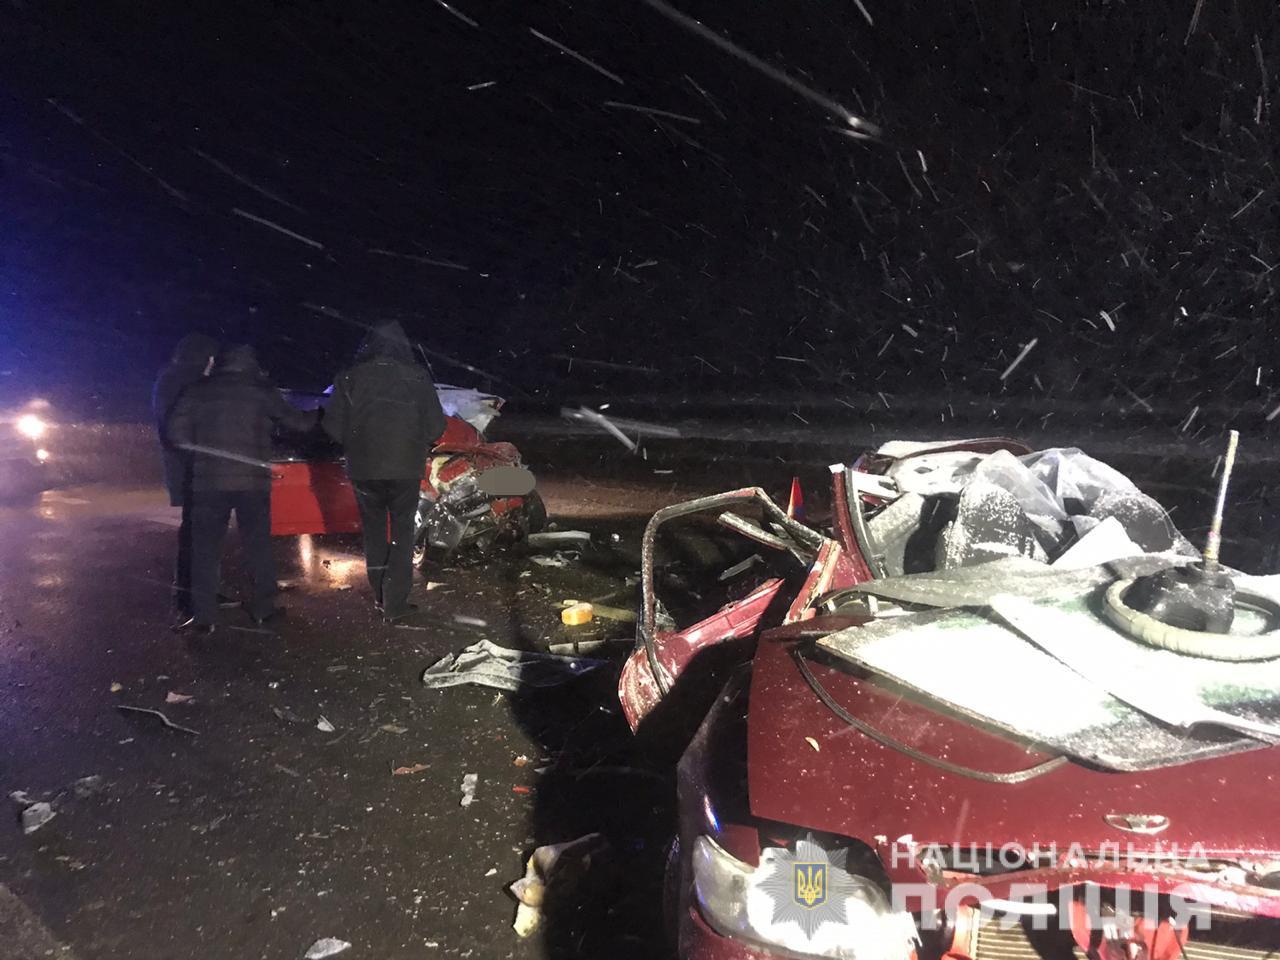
x,y
896,763
475,494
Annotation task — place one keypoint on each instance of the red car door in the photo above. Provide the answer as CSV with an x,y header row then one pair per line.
x,y
310,492
312,496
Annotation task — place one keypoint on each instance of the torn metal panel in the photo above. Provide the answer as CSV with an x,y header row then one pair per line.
x,y
751,531
803,536
662,655
638,689
832,570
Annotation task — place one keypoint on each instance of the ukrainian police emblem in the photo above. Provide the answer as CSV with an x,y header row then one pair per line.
x,y
811,884
807,886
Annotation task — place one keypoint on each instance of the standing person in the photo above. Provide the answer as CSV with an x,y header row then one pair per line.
x,y
191,361
225,421
386,414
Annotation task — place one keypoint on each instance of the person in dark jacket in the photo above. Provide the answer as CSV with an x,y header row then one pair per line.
x,y
225,422
191,362
386,414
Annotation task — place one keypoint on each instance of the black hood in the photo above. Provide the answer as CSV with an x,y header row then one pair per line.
x,y
195,349
238,359
386,340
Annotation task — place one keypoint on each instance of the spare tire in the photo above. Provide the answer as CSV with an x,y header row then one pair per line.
x,y
1234,647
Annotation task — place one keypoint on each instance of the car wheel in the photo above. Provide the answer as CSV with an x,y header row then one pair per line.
x,y
535,513
420,534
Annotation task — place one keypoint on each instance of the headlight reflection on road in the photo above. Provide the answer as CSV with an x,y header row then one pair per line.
x,y
316,561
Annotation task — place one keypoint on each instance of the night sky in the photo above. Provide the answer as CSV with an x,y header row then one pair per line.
x,y
1090,185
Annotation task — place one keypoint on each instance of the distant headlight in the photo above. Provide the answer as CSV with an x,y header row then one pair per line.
x,y
734,902
42,454
31,426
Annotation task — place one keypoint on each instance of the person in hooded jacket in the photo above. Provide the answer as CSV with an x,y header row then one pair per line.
x,y
191,361
386,414
225,422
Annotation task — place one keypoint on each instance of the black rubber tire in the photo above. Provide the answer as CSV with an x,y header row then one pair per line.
x,y
420,549
1195,643
535,513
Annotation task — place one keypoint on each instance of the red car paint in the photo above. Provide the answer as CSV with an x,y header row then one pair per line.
x,y
700,941
638,691
315,496
807,769
312,497
855,787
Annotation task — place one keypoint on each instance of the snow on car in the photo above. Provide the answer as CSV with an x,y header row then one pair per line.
x,y
924,735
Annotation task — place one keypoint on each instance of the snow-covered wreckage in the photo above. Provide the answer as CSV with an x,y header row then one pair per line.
x,y
943,727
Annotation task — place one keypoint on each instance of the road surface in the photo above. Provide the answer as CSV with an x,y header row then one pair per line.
x,y
261,833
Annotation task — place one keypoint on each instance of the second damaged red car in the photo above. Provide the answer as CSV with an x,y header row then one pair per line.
x,y
475,493
890,770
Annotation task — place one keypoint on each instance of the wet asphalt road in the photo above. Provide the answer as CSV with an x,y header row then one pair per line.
x,y
261,833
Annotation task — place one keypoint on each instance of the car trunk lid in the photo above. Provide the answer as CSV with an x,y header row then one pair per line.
x,y
809,767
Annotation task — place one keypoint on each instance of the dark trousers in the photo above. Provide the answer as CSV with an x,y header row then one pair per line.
x,y
210,514
388,559
182,567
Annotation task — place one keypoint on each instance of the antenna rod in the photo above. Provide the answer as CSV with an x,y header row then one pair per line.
x,y
1213,544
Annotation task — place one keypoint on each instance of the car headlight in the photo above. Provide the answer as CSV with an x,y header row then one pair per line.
x,y
31,426
801,902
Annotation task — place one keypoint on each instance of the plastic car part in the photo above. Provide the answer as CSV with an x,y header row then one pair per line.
x,y
734,901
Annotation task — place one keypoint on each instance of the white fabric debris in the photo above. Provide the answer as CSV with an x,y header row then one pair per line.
x,y
327,947
553,869
489,665
469,783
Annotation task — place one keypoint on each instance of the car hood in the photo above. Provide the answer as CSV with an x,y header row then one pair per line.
x,y
808,767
